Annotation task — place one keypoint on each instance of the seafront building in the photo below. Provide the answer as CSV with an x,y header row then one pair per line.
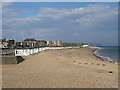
x,y
41,43
49,43
11,43
86,45
19,44
7,43
31,43
3,43
57,43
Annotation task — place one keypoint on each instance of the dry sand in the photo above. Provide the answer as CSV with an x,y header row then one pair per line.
x,y
68,68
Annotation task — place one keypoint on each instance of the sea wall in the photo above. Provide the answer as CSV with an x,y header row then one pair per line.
x,y
11,59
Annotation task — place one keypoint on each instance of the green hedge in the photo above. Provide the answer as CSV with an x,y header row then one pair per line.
x,y
72,44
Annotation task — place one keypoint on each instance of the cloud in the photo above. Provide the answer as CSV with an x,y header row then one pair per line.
x,y
75,24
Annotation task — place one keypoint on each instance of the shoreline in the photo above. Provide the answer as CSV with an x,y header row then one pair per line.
x,y
100,57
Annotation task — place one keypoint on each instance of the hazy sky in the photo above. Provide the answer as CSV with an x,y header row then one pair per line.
x,y
69,22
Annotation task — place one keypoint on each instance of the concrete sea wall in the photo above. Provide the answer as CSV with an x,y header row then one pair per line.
x,y
11,59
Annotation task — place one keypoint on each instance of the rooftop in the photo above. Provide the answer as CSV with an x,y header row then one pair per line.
x,y
29,39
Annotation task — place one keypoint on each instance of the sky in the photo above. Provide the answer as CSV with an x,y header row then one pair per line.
x,y
59,0
89,22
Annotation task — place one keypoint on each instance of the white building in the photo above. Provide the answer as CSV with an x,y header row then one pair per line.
x,y
57,43
85,45
30,42
49,43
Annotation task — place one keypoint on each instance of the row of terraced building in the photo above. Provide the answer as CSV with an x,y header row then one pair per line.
x,y
31,43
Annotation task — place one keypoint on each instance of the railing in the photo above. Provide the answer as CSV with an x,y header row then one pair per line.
x,y
26,52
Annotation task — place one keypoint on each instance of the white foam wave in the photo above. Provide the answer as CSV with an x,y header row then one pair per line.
x,y
102,57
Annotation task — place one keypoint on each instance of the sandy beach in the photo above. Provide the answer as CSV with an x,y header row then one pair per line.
x,y
68,68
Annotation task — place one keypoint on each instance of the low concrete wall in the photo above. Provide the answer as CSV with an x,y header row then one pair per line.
x,y
11,59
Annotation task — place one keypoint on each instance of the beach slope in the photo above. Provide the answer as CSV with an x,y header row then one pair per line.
x,y
67,68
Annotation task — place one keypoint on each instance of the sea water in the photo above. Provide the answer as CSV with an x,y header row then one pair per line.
x,y
108,53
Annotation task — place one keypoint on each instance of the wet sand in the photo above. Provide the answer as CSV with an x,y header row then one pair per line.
x,y
68,68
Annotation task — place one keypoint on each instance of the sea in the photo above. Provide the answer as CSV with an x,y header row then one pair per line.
x,y
108,53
